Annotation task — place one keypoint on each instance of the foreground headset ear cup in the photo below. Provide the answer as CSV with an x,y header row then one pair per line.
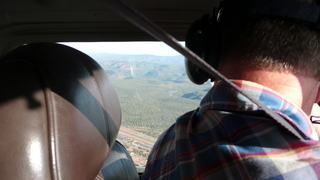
x,y
201,39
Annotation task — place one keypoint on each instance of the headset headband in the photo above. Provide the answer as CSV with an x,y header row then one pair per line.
x,y
301,12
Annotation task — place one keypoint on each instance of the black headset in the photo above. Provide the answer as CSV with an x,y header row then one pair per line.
x,y
203,36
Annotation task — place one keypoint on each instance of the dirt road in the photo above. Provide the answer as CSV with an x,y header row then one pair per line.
x,y
140,138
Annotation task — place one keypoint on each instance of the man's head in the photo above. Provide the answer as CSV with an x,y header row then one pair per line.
x,y
273,44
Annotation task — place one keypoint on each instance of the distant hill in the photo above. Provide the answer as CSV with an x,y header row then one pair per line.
x,y
166,72
102,57
194,95
166,68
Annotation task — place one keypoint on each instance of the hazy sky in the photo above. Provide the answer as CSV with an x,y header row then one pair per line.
x,y
153,48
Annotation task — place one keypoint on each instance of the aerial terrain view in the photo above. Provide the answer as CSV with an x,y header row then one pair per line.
x,y
153,91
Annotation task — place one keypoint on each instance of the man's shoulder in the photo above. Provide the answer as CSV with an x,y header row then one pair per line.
x,y
214,142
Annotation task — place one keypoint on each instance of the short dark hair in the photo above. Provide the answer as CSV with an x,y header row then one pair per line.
x,y
273,44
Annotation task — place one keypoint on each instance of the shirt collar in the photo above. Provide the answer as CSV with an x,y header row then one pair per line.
x,y
221,96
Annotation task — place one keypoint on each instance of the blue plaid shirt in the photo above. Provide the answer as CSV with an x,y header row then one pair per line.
x,y
229,137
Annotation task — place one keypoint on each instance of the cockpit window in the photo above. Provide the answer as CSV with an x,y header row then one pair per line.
x,y
152,86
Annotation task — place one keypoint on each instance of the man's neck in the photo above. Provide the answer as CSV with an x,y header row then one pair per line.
x,y
300,90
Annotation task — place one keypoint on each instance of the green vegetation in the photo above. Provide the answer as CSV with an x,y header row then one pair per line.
x,y
140,153
153,90
150,106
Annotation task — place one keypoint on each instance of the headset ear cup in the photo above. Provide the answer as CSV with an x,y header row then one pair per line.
x,y
201,39
196,74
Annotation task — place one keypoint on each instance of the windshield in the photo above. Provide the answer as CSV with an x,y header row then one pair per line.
x,y
152,86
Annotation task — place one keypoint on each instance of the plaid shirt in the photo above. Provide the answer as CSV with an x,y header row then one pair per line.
x,y
229,137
